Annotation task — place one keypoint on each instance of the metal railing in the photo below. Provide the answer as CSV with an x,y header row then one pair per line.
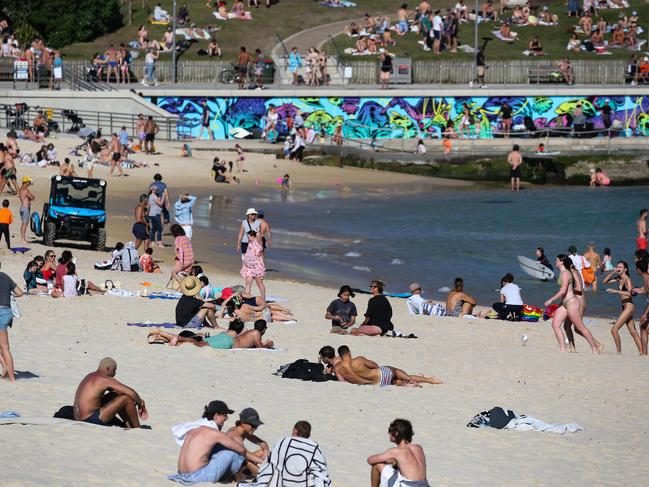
x,y
70,121
286,56
340,62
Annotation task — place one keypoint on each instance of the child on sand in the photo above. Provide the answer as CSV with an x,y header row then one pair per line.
x,y
446,143
147,263
6,219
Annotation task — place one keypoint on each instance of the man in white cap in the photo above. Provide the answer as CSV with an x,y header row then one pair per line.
x,y
251,222
417,305
26,197
192,312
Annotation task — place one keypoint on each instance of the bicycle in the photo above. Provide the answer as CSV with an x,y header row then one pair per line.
x,y
232,74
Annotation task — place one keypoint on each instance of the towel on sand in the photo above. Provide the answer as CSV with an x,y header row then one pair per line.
x,y
500,418
293,461
231,16
341,3
153,325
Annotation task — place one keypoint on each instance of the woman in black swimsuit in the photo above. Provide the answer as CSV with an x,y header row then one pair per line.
x,y
621,275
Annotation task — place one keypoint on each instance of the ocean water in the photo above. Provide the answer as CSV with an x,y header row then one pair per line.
x,y
336,237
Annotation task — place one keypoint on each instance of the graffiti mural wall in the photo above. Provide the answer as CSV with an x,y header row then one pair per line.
x,y
402,117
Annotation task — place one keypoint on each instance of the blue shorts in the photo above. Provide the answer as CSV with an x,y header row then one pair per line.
x,y
403,26
6,318
222,462
195,322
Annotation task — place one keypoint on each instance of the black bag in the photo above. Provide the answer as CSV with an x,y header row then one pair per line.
x,y
304,370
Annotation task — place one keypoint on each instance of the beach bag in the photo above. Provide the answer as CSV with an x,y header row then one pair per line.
x,y
15,310
104,265
531,313
549,311
588,273
304,370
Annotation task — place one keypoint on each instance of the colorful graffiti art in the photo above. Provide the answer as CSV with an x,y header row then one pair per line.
x,y
405,117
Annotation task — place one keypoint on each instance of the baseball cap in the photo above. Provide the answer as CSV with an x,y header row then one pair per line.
x,y
251,417
226,292
572,249
251,211
414,286
216,407
27,179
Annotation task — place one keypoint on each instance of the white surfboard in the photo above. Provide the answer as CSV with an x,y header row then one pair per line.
x,y
535,269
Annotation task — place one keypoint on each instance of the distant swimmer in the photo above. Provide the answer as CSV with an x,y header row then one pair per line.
x,y
542,258
641,225
515,159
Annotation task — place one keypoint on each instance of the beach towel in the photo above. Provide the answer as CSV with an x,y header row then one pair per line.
x,y
20,250
196,33
354,52
180,430
253,350
9,414
391,477
231,16
153,325
25,374
340,4
122,293
513,37
164,295
398,334
500,418
298,462
46,421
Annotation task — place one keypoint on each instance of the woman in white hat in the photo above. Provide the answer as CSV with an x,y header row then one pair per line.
x,y
251,222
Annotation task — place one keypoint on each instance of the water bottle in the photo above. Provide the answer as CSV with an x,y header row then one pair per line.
x,y
50,287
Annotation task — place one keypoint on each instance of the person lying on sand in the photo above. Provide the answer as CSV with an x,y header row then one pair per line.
x,y
231,338
361,371
235,306
402,466
100,397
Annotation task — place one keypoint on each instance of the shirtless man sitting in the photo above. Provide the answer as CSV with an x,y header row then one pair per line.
x,y
93,405
404,465
361,371
244,429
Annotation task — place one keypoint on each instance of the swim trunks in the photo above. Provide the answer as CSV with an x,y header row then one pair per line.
x,y
195,322
250,301
515,173
139,231
222,341
24,215
94,418
640,242
387,376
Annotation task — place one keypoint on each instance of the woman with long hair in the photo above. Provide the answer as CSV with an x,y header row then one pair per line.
x,y
459,303
621,276
570,307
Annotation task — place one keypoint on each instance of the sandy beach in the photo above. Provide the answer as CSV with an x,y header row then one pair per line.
x,y
481,362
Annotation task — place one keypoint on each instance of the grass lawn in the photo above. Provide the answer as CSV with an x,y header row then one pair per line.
x,y
285,18
554,39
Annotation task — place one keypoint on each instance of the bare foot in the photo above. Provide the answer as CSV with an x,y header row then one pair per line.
x,y
600,348
174,341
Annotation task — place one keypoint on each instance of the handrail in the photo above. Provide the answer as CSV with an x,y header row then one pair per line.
x,y
338,56
286,53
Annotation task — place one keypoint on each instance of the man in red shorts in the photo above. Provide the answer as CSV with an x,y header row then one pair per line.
x,y
641,225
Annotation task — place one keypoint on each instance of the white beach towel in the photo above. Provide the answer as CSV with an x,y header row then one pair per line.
x,y
530,423
391,477
298,462
180,430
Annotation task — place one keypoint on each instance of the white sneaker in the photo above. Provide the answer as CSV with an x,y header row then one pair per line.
x,y
426,48
421,42
633,83
144,83
484,86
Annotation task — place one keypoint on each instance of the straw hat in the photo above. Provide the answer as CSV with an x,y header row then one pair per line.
x,y
190,286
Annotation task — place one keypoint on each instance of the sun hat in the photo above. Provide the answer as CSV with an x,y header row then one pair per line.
x,y
251,417
216,407
226,293
190,286
346,289
414,286
27,179
251,211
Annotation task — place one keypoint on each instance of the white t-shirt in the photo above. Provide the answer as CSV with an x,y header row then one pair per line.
x,y
70,286
512,294
438,23
579,261
415,304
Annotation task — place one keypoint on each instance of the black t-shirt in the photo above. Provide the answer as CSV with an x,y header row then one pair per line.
x,y
344,310
379,312
187,308
386,64
506,112
479,59
6,286
606,110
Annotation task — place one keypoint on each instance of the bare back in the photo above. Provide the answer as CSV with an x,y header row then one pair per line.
x,y
89,393
197,448
358,370
514,159
411,461
641,225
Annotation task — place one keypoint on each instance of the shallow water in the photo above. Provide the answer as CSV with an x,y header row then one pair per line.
x,y
335,237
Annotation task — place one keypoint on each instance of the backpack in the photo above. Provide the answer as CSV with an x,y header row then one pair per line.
x,y
588,273
304,370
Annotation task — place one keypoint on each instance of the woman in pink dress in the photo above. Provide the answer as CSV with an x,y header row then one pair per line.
x,y
253,265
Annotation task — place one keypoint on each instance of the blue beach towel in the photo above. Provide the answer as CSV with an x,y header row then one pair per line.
x,y
20,250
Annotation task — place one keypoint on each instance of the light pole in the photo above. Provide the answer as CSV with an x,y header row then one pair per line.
x,y
475,41
173,42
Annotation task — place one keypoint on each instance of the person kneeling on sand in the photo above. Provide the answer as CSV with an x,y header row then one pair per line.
x,y
403,466
231,338
361,371
100,397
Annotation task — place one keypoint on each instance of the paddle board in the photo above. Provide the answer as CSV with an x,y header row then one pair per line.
x,y
389,295
535,269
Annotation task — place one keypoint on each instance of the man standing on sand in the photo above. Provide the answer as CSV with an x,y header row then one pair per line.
x,y
100,397
404,465
150,130
642,266
515,159
641,225
264,231
141,226
183,213
26,197
116,159
205,121
595,261
361,371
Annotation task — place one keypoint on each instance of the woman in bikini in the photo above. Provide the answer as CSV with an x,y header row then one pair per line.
x,y
570,306
459,303
621,275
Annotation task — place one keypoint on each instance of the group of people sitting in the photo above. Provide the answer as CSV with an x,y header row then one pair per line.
x,y
623,34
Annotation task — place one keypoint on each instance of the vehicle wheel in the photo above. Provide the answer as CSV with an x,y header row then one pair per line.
x,y
100,241
227,76
49,236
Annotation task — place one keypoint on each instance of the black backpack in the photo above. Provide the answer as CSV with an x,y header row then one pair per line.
x,y
304,370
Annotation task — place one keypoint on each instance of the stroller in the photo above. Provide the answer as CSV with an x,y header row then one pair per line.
x,y
87,134
17,118
77,121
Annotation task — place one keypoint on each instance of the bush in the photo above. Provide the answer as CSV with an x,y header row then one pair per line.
x,y
63,22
